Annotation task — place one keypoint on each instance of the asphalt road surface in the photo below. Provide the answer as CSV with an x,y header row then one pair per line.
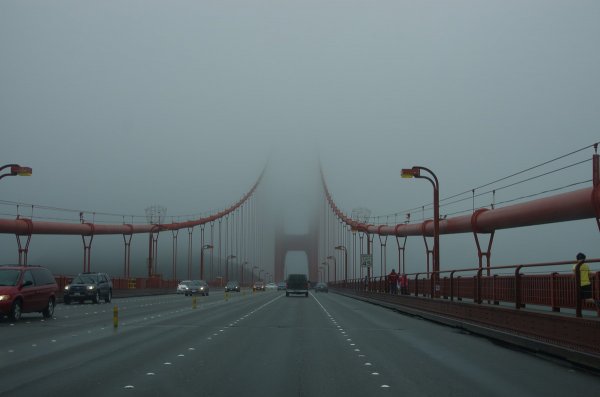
x,y
264,344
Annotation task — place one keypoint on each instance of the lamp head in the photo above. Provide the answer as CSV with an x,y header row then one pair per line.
x,y
413,172
21,171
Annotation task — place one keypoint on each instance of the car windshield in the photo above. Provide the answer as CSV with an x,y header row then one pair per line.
x,y
9,277
84,280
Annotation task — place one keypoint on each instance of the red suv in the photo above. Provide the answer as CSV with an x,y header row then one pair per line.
x,y
26,289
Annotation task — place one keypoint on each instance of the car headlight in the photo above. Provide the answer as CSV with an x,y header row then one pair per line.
x,y
4,298
67,287
91,287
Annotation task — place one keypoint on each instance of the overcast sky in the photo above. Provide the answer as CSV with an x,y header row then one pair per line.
x,y
117,105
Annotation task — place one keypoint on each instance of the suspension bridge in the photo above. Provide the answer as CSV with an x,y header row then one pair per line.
x,y
531,305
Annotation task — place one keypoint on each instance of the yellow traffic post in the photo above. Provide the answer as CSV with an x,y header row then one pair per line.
x,y
194,302
226,296
115,316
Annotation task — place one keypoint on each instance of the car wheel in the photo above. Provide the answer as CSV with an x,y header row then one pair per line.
x,y
96,298
306,294
67,301
49,310
108,297
15,311
287,294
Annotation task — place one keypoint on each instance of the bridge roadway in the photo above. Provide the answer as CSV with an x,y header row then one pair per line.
x,y
264,344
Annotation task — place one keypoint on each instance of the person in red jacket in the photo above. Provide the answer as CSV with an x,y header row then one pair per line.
x,y
404,284
392,280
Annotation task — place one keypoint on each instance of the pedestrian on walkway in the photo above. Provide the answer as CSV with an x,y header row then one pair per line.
x,y
392,280
585,283
404,284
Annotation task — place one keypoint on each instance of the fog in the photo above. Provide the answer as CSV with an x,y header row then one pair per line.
x,y
120,105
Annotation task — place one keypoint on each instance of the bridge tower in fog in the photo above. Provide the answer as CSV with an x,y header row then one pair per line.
x,y
294,196
307,242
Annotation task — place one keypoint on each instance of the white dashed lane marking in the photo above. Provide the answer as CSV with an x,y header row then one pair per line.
x,y
343,332
222,330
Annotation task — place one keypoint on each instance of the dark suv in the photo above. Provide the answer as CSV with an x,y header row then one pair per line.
x,y
232,286
92,286
27,289
296,284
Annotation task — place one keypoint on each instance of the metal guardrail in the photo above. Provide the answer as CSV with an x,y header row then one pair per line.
x,y
502,284
123,283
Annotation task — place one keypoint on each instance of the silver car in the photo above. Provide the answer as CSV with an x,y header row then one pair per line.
x,y
184,287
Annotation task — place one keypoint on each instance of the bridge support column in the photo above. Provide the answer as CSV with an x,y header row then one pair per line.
x,y
127,255
24,251
190,242
87,252
401,256
383,257
480,252
174,269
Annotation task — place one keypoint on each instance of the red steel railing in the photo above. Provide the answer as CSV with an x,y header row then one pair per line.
x,y
122,283
505,284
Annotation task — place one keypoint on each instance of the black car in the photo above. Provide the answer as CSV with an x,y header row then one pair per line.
x,y
88,286
321,287
297,284
232,286
201,287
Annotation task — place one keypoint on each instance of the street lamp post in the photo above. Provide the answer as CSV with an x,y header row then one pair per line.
x,y
242,278
342,248
204,247
227,267
15,170
255,267
415,172
325,263
334,268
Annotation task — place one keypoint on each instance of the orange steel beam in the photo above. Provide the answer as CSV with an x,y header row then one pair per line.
x,y
24,226
571,206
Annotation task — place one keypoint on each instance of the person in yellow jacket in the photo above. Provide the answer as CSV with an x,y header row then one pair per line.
x,y
584,279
